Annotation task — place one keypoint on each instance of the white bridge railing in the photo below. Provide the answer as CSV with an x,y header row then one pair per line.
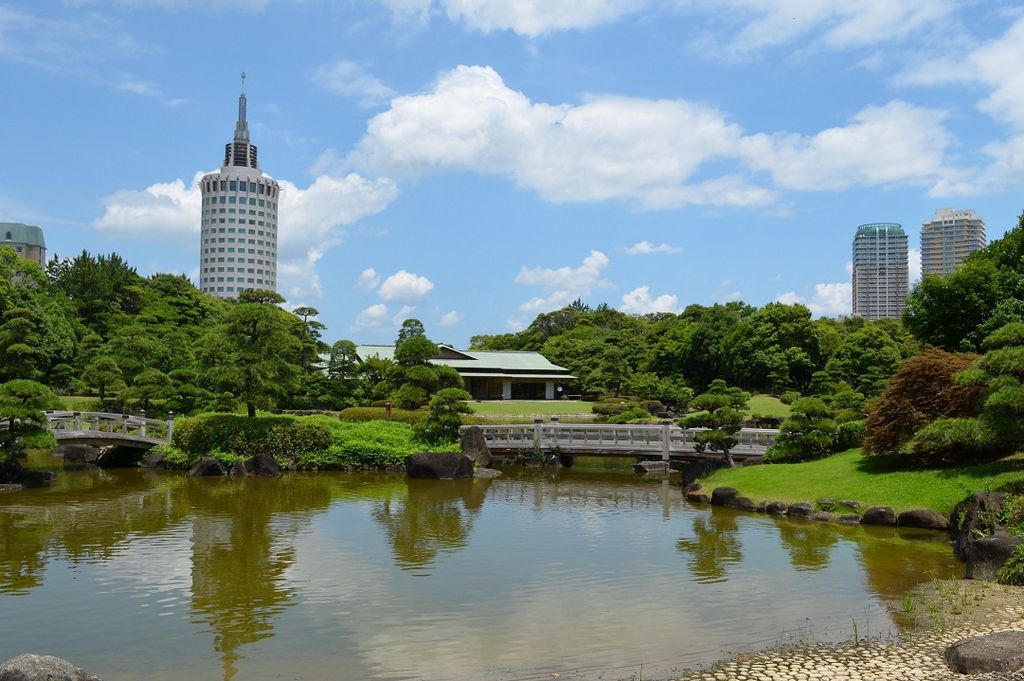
x,y
596,439
78,425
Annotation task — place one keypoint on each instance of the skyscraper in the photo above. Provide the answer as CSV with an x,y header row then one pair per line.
x,y
949,238
238,244
880,271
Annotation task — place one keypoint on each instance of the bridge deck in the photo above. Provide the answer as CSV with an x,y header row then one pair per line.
x,y
102,429
663,441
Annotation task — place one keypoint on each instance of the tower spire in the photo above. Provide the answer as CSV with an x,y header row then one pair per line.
x,y
242,126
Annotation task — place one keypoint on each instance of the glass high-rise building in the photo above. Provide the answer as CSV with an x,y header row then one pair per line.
x,y
949,238
881,276
238,243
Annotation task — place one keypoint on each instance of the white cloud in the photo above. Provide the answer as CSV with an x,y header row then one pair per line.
x,y
643,151
451,318
372,317
639,301
564,284
914,265
893,144
404,313
368,279
828,300
405,287
741,27
349,79
647,248
995,64
311,219
525,17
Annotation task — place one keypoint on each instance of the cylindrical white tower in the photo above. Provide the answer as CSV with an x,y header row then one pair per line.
x,y
238,244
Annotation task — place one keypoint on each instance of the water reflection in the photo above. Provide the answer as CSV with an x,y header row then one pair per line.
x,y
715,546
807,542
433,516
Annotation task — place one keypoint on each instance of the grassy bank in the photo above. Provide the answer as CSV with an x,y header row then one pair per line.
x,y
528,407
874,481
767,405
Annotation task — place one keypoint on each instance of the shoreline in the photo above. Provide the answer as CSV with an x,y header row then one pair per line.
x,y
943,611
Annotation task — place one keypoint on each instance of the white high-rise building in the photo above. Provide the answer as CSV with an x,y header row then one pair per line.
x,y
949,238
238,245
881,274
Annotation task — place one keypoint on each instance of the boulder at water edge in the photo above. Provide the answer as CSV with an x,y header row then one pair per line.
x,y
923,518
474,445
42,668
644,467
724,496
439,466
79,454
238,470
800,510
878,515
999,652
986,555
154,460
207,466
263,465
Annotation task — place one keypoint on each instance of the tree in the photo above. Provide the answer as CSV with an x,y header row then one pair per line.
x,y
253,354
150,384
921,391
444,420
103,374
20,354
808,433
415,350
22,402
865,360
722,415
411,328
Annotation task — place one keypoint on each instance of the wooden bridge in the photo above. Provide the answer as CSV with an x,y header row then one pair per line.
x,y
104,430
665,441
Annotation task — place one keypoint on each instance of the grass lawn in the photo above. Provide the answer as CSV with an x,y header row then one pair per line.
x,y
531,407
79,402
767,405
874,481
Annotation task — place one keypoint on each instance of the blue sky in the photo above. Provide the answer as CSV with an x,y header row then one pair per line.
x,y
474,162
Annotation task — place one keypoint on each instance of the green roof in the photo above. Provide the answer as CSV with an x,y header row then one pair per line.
x,y
474,361
881,229
21,234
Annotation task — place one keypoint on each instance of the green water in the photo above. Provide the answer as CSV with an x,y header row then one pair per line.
x,y
585,573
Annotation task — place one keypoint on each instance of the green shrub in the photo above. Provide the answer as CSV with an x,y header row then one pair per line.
x,y
954,440
445,417
849,434
42,439
1012,571
808,434
175,457
376,443
789,397
282,437
633,413
608,408
360,414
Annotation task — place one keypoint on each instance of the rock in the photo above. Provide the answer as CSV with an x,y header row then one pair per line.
x,y
923,518
37,478
693,470
850,504
474,445
486,473
692,487
974,517
7,487
207,466
986,555
824,516
553,461
262,465
238,470
724,496
776,508
878,515
154,460
762,507
848,519
645,467
11,472
78,454
999,652
42,668
827,504
698,497
439,466
744,504
800,510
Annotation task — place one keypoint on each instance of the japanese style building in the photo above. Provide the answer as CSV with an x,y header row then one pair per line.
x,y
491,375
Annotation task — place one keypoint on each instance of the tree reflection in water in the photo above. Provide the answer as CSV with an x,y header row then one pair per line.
x,y
435,516
809,543
715,545
242,544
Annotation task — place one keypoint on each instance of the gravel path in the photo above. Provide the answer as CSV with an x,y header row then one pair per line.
x,y
975,609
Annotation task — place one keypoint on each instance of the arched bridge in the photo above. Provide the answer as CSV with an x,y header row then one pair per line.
x,y
104,430
665,441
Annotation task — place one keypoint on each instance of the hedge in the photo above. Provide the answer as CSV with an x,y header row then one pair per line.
x,y
285,438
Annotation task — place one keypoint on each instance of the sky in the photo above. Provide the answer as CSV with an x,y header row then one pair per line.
x,y
472,163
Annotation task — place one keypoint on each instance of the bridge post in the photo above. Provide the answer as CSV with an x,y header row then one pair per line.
x,y
170,425
76,421
666,440
142,428
536,433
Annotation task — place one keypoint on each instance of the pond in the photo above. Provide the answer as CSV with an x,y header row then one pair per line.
x,y
585,574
